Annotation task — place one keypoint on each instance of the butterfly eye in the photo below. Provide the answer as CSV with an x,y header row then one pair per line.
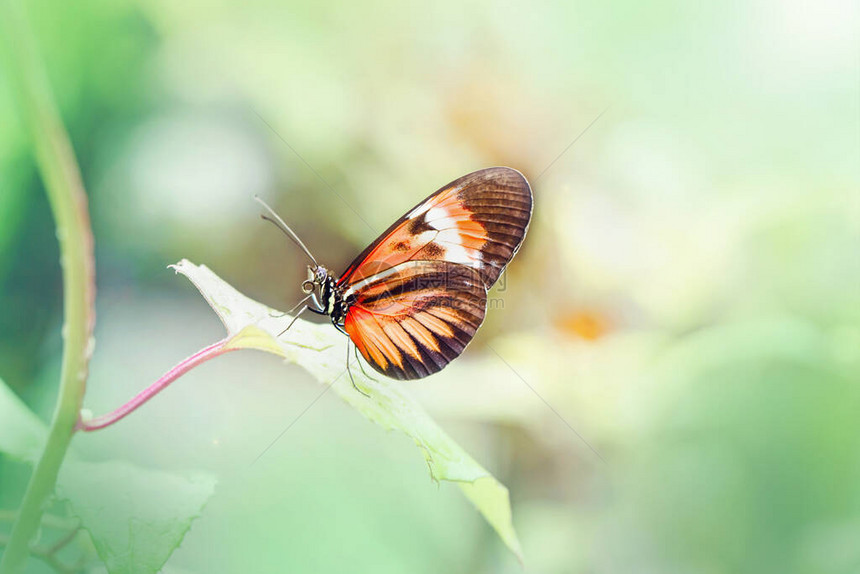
x,y
307,287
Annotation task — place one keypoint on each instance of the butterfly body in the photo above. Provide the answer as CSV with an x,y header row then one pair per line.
x,y
329,298
414,298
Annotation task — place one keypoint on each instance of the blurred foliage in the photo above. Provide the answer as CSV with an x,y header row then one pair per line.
x,y
688,298
134,517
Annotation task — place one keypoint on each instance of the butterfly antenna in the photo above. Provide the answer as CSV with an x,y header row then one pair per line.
x,y
279,223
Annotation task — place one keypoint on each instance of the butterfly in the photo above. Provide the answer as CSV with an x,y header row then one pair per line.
x,y
414,298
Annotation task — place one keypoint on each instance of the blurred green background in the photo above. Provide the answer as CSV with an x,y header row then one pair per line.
x,y
688,297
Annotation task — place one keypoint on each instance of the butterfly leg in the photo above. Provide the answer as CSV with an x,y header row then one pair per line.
x,y
361,365
357,358
296,306
356,387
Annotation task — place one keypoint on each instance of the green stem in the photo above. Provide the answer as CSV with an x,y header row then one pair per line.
x,y
149,392
68,201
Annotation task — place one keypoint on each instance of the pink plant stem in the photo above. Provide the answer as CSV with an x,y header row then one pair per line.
x,y
145,395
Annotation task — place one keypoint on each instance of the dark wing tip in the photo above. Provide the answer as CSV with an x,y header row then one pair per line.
x,y
504,174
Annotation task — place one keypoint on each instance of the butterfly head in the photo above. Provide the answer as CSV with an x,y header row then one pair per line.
x,y
317,276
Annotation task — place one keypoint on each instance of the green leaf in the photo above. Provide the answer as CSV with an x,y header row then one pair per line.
x,y
137,517
321,350
22,434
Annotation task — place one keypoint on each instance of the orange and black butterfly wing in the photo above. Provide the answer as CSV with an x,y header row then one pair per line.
x,y
419,292
478,220
417,318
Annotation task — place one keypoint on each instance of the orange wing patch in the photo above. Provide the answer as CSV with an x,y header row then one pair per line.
x,y
371,340
478,221
420,333
441,228
416,320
